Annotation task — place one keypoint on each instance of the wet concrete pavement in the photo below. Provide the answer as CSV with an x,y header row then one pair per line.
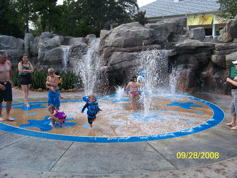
x,y
27,157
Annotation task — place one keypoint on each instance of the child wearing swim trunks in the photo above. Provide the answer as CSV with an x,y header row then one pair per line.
x,y
92,109
56,115
133,85
52,85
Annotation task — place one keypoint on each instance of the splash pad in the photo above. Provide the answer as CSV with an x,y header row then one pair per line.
x,y
173,116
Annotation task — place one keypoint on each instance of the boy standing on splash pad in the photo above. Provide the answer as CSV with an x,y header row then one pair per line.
x,y
92,109
52,85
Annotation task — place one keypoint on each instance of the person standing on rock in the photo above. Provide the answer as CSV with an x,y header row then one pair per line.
x,y
6,74
25,77
233,106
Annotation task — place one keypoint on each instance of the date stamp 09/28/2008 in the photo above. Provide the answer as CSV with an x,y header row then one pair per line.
x,y
197,155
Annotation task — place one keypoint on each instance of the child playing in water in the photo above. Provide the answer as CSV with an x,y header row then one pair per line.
x,y
52,85
133,85
56,115
92,109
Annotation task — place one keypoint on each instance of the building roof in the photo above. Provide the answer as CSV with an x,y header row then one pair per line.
x,y
161,8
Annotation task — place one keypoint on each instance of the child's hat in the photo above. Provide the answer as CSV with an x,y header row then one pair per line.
x,y
86,99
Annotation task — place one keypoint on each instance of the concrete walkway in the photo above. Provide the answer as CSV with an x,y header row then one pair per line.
x,y
29,157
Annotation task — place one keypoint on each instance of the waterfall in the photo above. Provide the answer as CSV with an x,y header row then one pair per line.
x,y
173,79
65,56
88,67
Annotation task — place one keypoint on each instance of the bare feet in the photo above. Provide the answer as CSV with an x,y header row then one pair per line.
x,y
134,109
9,119
1,119
230,124
27,105
234,128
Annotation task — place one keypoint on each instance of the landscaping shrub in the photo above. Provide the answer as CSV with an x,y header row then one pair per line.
x,y
39,79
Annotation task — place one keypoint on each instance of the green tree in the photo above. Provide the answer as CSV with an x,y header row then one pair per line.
x,y
83,17
228,8
37,29
140,17
8,16
24,9
68,23
46,12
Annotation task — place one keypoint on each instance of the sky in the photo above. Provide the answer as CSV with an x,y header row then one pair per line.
x,y
139,2
144,2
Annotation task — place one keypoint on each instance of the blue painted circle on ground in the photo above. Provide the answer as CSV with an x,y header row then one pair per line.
x,y
217,118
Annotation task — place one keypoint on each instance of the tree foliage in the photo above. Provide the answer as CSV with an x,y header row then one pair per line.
x,y
72,18
83,17
140,17
228,8
9,24
47,12
23,13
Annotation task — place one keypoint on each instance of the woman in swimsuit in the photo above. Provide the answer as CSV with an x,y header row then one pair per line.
x,y
133,85
25,77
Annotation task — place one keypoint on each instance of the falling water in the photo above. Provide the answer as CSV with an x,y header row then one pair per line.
x,y
173,79
65,56
119,93
155,63
88,67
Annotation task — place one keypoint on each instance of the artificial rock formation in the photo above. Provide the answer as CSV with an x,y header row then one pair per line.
x,y
205,60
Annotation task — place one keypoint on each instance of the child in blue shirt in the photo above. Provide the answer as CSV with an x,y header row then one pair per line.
x,y
92,109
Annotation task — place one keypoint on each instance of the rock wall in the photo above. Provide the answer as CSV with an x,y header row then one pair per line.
x,y
205,60
13,46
